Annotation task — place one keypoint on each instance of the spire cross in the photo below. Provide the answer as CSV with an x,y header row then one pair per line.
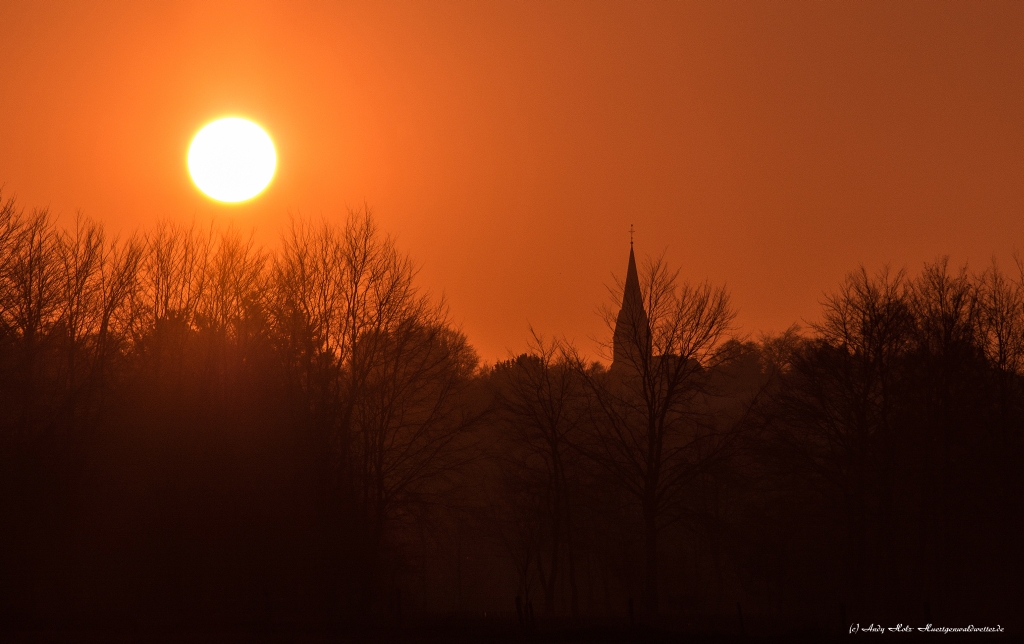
x,y
631,235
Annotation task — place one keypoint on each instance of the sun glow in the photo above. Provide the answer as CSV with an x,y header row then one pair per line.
x,y
232,159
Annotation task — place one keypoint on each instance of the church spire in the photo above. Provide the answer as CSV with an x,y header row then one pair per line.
x,y
631,296
632,338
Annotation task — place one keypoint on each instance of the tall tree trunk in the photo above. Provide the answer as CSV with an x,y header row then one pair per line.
x,y
650,560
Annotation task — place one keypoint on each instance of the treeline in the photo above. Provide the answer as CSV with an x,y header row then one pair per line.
x,y
196,432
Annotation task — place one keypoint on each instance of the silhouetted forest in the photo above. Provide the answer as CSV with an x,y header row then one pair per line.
x,y
196,432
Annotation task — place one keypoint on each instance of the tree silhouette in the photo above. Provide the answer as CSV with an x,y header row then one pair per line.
x,y
541,399
379,366
653,429
197,432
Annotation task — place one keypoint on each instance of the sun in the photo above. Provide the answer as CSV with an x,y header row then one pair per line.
x,y
232,159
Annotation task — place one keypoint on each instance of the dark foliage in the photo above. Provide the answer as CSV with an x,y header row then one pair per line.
x,y
196,433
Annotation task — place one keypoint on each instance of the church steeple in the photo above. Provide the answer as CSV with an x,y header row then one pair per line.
x,y
632,338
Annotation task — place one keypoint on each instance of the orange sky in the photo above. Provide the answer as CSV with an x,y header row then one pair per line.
x,y
768,146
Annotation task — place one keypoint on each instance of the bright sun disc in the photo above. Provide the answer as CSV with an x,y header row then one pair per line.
x,y
232,159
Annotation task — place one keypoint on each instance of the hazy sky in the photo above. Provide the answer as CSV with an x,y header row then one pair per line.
x,y
771,147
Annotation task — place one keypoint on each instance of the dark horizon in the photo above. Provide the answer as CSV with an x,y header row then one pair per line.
x,y
202,436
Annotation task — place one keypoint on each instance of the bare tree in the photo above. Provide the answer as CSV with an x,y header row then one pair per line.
x,y
118,284
1001,331
81,252
30,306
172,284
410,422
653,429
835,418
541,400
236,283
231,314
379,367
949,363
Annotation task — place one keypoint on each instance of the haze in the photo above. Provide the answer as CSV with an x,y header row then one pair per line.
x,y
509,146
